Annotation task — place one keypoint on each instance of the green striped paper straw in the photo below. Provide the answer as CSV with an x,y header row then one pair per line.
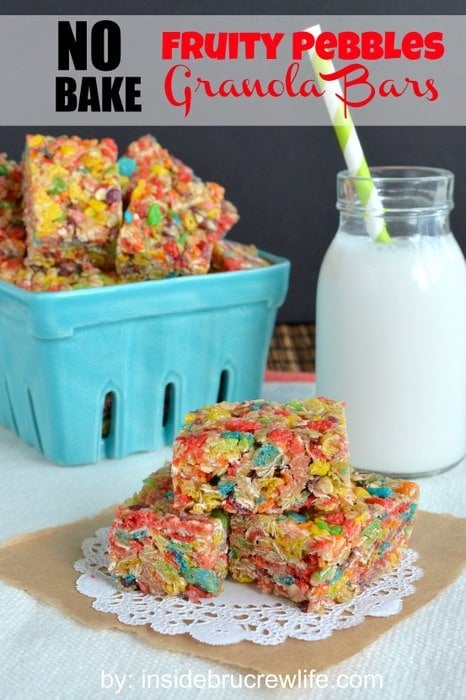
x,y
350,145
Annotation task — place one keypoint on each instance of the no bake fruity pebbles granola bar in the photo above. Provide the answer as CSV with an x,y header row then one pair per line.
x,y
296,519
74,215
172,218
262,457
316,559
158,550
72,201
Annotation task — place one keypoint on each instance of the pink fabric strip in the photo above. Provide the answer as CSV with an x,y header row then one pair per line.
x,y
279,376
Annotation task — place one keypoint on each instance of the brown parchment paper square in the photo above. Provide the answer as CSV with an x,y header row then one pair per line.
x,y
50,556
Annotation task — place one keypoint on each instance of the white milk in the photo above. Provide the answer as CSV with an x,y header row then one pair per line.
x,y
391,343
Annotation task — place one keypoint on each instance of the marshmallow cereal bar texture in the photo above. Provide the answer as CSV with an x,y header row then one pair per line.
x,y
145,159
262,457
317,559
173,217
157,550
229,256
12,231
53,279
72,200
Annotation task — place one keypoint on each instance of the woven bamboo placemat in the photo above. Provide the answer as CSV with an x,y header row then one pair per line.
x,y
292,348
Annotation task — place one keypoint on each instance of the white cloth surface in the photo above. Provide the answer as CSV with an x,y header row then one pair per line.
x,y
46,655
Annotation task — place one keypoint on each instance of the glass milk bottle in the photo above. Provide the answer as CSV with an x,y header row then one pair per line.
x,y
391,324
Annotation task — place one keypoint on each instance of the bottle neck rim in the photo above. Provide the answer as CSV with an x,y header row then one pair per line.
x,y
397,173
396,191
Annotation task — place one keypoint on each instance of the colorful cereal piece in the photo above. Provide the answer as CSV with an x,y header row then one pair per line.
x,y
12,231
228,256
317,559
11,269
262,457
72,200
157,550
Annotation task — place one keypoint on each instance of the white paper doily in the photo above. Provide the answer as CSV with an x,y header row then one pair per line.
x,y
241,612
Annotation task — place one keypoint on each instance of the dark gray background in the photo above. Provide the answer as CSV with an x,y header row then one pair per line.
x,y
282,179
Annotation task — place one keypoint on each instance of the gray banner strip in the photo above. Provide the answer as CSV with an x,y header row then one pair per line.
x,y
228,70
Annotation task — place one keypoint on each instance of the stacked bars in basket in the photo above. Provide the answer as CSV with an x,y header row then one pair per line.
x,y
262,491
74,215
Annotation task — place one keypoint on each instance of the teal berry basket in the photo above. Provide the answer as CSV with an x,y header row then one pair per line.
x,y
103,373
